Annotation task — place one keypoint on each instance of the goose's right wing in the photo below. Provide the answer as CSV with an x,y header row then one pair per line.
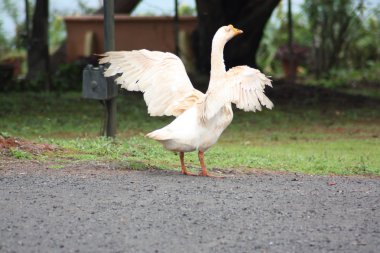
x,y
241,85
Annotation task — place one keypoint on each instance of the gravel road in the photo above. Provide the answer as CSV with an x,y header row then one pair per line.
x,y
91,208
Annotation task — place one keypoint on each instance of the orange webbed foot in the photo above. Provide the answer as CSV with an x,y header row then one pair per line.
x,y
207,174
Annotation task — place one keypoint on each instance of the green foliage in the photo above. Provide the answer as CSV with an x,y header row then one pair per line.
x,y
5,134
186,10
4,44
57,33
101,146
333,23
276,36
309,140
363,47
350,77
68,77
20,154
342,37
12,11
84,8
56,166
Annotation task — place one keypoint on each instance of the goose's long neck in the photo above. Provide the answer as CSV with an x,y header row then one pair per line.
x,y
217,61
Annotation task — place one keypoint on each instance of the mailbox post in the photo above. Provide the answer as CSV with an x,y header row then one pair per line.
x,y
109,36
95,85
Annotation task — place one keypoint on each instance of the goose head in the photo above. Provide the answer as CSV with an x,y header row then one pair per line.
x,y
225,33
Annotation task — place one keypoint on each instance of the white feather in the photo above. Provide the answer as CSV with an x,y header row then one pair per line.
x,y
241,85
161,76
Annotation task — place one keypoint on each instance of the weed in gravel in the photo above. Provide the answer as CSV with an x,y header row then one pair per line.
x,y
20,154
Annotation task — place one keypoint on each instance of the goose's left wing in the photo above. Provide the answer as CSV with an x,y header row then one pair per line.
x,y
160,76
243,86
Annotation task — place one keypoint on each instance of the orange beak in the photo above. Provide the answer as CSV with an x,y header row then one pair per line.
x,y
236,31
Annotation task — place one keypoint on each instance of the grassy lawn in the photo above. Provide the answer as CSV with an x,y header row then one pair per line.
x,y
315,139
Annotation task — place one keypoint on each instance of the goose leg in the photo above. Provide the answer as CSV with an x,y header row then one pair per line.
x,y
183,167
204,172
203,166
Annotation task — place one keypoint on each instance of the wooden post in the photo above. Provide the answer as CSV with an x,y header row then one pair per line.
x,y
176,28
109,44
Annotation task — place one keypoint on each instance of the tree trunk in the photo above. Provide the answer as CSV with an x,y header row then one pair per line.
x,y
122,6
38,49
247,15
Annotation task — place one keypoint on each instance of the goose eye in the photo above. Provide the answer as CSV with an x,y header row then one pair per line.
x,y
227,29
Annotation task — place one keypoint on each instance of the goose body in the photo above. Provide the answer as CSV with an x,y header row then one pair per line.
x,y
200,118
188,132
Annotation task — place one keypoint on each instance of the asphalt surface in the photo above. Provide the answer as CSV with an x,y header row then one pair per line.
x,y
102,210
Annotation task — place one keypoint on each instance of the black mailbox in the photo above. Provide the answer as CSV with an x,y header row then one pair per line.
x,y
96,86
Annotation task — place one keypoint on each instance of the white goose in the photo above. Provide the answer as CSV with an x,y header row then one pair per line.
x,y
200,118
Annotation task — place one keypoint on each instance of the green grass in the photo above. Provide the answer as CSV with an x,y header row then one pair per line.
x,y
19,154
340,140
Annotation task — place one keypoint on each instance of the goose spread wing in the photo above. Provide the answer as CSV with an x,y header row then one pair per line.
x,y
243,86
160,76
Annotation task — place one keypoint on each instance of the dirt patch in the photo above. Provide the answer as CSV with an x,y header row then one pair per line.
x,y
8,143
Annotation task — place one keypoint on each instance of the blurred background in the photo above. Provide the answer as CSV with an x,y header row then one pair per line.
x,y
323,57
326,43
